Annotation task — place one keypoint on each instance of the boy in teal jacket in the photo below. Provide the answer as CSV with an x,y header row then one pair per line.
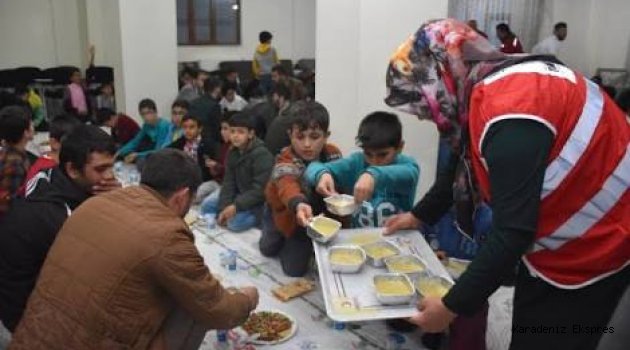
x,y
154,135
382,180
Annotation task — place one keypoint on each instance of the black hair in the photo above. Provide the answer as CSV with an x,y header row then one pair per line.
x,y
225,117
73,70
14,121
147,103
278,68
109,83
64,124
228,86
169,170
103,115
503,27
181,104
379,130
188,117
309,115
193,72
20,89
243,120
79,144
264,37
211,84
282,90
230,70
623,100
560,25
610,90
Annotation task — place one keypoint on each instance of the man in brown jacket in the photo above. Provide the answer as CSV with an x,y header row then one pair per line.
x,y
124,264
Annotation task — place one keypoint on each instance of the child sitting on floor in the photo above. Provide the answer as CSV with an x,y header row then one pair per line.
x,y
382,179
248,168
290,203
153,136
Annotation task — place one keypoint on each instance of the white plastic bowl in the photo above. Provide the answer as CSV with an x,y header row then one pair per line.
x,y
342,204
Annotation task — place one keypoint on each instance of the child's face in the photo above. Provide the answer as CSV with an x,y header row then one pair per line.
x,y
75,77
107,90
149,116
240,136
232,76
177,113
192,130
225,132
308,144
229,95
381,156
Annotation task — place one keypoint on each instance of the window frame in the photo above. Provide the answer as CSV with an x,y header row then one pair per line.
x,y
212,41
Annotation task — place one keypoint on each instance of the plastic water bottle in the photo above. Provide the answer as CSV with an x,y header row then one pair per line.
x,y
339,326
211,221
222,339
134,177
232,257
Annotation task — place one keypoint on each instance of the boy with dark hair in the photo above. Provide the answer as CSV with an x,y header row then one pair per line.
x,y
195,146
231,101
208,110
76,101
247,172
120,126
265,57
509,41
230,76
276,137
26,94
290,203
190,90
153,136
382,179
30,227
61,126
179,109
16,130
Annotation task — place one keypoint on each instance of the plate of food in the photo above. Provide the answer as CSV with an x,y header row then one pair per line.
x,y
271,326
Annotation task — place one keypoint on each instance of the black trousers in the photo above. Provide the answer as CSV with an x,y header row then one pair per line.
x,y
546,317
295,253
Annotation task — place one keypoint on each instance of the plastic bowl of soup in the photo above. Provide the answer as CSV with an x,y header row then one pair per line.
x,y
323,229
346,258
393,288
433,286
378,251
342,204
407,264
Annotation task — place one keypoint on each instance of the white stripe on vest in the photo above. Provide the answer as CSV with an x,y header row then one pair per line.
x,y
577,142
594,210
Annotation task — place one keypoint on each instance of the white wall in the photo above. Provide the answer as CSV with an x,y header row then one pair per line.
x,y
292,23
354,41
599,34
41,33
149,53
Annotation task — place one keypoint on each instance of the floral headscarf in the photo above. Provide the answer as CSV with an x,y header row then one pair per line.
x,y
432,73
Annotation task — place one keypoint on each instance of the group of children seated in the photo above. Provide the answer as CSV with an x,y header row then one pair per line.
x,y
246,183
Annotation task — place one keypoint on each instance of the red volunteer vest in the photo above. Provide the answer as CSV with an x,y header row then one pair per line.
x,y
584,222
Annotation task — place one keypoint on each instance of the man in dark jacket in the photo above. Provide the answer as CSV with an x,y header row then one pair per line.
x,y
30,227
277,137
206,107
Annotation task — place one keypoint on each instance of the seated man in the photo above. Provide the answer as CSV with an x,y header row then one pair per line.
x,y
139,271
30,227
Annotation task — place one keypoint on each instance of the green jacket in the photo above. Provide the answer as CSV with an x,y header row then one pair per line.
x,y
246,176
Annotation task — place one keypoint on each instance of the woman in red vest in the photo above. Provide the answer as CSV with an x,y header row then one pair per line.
x,y
550,153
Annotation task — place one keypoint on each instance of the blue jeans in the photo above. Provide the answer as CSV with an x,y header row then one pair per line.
x,y
242,221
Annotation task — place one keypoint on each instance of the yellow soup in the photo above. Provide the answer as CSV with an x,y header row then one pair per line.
x,y
325,227
432,288
340,202
393,287
379,251
346,257
405,265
